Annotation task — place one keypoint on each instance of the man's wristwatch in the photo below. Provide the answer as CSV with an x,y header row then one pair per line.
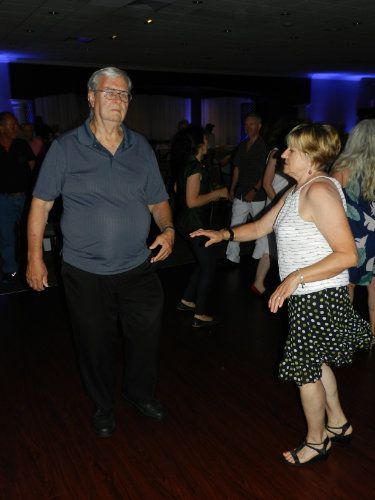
x,y
168,227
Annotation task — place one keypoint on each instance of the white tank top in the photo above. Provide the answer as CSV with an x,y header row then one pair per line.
x,y
300,243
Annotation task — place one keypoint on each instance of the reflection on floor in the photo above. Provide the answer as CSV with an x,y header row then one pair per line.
x,y
229,417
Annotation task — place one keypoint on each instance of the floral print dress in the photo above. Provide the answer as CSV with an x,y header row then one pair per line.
x,y
361,215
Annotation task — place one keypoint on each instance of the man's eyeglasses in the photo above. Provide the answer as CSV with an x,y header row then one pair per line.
x,y
112,94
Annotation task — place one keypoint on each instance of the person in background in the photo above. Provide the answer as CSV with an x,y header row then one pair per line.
x,y
36,143
274,183
211,141
314,253
355,170
246,191
194,197
182,124
111,186
17,161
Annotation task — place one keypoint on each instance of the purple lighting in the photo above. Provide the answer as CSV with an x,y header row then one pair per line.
x,y
335,97
7,56
350,77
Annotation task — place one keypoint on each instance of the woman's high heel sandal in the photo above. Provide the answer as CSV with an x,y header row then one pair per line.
x,y
340,437
322,453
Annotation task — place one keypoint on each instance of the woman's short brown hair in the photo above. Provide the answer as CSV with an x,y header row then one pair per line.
x,y
319,141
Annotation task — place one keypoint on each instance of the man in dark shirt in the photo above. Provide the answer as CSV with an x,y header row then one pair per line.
x,y
249,164
16,163
110,183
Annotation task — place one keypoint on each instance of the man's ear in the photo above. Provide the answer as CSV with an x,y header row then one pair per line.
x,y
91,98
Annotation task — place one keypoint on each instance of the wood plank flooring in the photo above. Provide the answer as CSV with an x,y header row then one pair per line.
x,y
229,417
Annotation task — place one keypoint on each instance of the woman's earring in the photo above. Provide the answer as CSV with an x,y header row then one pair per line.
x,y
310,171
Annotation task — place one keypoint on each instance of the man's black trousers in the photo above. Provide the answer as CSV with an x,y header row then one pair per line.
x,y
98,305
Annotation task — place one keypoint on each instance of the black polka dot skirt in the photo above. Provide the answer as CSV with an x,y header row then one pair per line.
x,y
324,328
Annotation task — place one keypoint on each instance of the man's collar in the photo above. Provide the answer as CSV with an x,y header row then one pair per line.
x,y
87,137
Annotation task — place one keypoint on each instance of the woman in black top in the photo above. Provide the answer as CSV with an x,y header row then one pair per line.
x,y
193,207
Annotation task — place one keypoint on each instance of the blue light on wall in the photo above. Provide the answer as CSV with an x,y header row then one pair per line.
x,y
334,98
350,77
7,56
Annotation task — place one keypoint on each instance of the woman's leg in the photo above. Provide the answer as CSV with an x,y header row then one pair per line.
x,y
351,288
206,258
335,415
313,398
371,304
261,272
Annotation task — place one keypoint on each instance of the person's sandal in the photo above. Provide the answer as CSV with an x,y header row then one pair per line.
x,y
322,453
340,437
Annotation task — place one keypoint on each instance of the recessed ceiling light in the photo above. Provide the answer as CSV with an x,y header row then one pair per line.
x,y
197,2
53,12
356,22
114,36
285,13
227,30
29,31
149,21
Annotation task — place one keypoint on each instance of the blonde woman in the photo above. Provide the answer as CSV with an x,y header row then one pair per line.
x,y
355,170
314,253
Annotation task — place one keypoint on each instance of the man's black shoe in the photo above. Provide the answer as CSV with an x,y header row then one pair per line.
x,y
200,323
103,423
153,409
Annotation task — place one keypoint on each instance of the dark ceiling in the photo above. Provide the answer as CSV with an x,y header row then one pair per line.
x,y
249,37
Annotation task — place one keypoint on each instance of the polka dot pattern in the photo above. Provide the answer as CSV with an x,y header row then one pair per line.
x,y
324,328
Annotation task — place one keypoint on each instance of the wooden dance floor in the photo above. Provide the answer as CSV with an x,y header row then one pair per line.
x,y
229,418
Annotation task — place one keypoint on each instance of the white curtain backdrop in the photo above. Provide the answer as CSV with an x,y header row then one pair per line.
x,y
67,110
225,114
156,116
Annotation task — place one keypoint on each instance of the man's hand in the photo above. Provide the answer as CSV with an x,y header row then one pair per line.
x,y
166,241
37,275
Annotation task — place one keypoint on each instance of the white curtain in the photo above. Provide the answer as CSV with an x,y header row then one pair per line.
x,y
67,111
156,116
225,114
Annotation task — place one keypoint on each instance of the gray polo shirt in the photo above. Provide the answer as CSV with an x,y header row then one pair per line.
x,y
106,219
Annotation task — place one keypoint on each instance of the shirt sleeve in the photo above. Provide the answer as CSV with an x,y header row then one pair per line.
x,y
155,188
51,176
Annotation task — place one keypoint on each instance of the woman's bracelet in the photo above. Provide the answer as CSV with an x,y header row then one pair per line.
x,y
301,278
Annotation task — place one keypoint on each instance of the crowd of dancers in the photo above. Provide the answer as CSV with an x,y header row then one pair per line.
x,y
315,196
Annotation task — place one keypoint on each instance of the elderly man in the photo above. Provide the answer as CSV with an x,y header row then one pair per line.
x,y
16,162
246,193
110,183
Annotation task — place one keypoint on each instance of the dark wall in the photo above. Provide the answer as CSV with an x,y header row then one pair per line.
x,y
37,80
